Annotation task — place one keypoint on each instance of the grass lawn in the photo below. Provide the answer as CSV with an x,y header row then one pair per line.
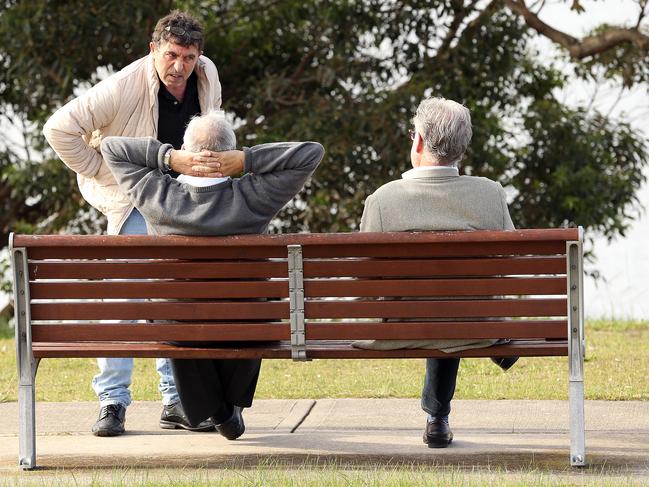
x,y
616,364
326,475
617,358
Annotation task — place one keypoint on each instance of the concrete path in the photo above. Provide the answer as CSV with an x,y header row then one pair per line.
x,y
504,434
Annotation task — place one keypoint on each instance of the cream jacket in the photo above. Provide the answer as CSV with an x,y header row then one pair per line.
x,y
125,104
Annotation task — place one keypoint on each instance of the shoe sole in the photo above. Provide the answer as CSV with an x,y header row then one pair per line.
x,y
107,434
438,443
169,425
234,436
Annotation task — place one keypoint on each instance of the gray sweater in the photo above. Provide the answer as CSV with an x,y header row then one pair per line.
x,y
274,174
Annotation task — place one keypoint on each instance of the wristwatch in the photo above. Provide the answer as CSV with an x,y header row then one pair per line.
x,y
166,158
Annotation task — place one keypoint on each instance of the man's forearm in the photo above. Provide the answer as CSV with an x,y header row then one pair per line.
x,y
280,156
71,148
131,158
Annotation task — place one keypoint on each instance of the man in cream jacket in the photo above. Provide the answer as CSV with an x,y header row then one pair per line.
x,y
433,196
155,96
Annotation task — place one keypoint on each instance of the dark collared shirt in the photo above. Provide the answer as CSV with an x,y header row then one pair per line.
x,y
174,115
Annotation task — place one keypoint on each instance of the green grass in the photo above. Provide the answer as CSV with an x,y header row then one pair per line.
x,y
5,330
617,358
329,475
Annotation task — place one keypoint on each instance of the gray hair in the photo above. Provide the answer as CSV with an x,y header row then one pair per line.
x,y
445,127
211,131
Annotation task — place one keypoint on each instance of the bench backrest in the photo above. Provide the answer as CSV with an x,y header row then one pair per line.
x,y
520,284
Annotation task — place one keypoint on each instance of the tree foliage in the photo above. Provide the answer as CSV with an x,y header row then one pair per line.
x,y
348,74
48,50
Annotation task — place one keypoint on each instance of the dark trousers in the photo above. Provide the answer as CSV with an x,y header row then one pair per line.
x,y
209,388
439,385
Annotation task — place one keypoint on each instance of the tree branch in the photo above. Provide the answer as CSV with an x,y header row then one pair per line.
x,y
643,12
444,51
589,46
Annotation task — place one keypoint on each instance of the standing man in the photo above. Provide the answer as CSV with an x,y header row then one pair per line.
x,y
274,173
433,196
155,96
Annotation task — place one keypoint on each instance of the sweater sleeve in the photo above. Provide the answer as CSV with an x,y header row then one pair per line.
x,y
276,172
507,219
137,164
371,219
66,128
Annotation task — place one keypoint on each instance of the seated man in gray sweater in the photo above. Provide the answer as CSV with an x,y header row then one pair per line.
x,y
274,173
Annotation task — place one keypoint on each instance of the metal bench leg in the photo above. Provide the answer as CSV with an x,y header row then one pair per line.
x,y
576,349
27,365
27,422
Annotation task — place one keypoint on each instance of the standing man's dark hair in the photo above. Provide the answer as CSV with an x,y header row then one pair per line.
x,y
155,96
180,28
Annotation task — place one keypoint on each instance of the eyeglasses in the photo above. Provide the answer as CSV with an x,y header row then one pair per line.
x,y
412,133
180,32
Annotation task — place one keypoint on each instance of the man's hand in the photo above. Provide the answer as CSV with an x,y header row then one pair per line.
x,y
218,164
207,163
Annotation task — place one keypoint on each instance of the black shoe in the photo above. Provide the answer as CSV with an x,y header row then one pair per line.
x,y
232,428
504,363
438,434
173,417
111,421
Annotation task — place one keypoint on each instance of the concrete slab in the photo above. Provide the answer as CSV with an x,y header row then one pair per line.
x,y
506,434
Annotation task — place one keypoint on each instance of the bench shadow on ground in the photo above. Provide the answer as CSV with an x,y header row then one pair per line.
x,y
281,450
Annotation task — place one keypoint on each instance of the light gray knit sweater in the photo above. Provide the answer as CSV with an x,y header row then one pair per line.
x,y
274,174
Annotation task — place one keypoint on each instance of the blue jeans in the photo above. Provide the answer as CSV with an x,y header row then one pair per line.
x,y
114,378
439,385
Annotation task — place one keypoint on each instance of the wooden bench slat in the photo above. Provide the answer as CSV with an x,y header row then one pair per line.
x,y
313,309
445,249
516,348
158,290
434,249
185,253
435,287
279,289
436,309
305,239
146,269
427,330
339,349
161,311
435,267
80,332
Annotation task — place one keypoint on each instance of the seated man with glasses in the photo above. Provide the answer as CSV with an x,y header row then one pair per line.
x,y
433,196
155,96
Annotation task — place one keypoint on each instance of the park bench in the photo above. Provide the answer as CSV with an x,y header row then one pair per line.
x,y
297,296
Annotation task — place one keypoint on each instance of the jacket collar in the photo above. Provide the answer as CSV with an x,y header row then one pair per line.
x,y
424,172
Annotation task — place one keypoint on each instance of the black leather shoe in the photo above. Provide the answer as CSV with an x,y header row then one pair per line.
x,y
234,427
111,421
438,434
504,363
173,417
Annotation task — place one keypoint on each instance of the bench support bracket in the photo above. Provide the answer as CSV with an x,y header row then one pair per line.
x,y
576,352
27,364
296,297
